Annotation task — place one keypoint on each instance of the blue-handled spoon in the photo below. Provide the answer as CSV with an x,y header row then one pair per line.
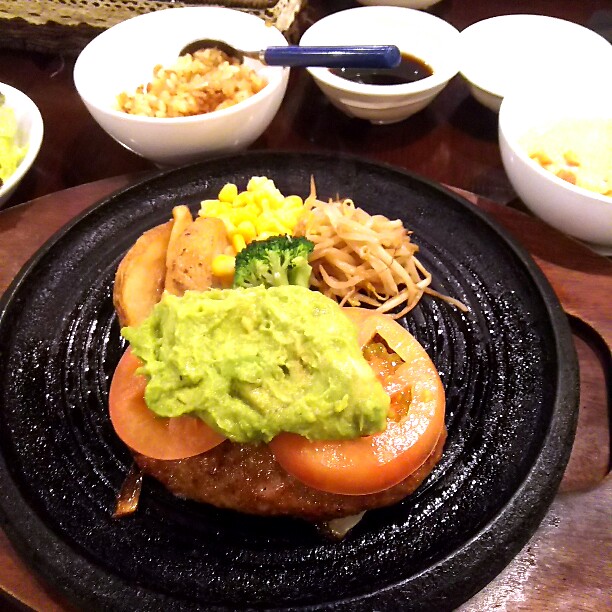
x,y
362,56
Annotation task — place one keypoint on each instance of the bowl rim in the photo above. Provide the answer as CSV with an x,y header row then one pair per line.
x,y
34,137
401,3
513,103
471,39
277,76
441,74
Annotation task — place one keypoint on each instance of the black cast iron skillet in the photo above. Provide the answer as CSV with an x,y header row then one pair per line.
x,y
508,366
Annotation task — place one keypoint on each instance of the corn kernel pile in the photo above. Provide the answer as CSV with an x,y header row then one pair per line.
x,y
255,214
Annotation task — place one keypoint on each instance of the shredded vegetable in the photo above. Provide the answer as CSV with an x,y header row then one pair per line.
x,y
362,259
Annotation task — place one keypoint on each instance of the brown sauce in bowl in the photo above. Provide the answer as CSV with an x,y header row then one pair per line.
x,y
410,70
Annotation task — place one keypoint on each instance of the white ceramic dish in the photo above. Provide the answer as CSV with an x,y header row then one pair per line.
x,y
416,33
576,211
123,57
510,51
414,4
30,132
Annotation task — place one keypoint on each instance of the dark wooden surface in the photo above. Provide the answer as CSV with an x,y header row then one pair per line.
x,y
567,564
452,141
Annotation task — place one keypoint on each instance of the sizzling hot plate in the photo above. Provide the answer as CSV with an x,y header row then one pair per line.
x,y
508,366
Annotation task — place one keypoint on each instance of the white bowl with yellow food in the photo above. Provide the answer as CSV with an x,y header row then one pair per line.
x,y
174,110
556,148
21,135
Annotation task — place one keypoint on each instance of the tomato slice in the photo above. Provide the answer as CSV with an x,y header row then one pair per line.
x,y
144,431
374,463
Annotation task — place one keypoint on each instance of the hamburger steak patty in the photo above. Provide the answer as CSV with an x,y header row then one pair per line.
x,y
247,478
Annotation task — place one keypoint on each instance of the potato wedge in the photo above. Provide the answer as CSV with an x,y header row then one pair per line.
x,y
182,219
139,280
189,260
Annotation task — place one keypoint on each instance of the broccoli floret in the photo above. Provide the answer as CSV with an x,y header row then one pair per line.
x,y
276,261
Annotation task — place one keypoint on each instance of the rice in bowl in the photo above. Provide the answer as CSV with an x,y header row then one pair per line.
x,y
204,82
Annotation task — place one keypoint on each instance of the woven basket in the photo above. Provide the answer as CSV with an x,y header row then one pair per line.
x,y
66,26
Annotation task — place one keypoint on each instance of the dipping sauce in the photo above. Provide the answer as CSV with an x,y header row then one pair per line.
x,y
410,70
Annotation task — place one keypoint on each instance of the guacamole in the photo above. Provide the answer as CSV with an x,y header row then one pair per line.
x,y
256,362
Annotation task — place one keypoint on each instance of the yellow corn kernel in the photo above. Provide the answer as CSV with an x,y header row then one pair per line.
x,y
288,218
566,175
571,158
541,157
255,182
293,201
266,223
250,212
230,228
257,213
248,231
243,199
209,208
223,265
228,193
265,203
238,242
275,198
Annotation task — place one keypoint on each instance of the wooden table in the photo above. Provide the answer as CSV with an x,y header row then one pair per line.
x,y
567,564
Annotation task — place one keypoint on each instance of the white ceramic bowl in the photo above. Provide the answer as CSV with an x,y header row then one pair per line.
x,y
123,57
416,33
576,211
29,132
507,51
415,4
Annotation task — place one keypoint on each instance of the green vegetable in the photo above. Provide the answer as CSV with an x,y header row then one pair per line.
x,y
254,362
276,261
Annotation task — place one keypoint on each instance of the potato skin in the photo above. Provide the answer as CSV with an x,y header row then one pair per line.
x,y
175,256
139,280
190,256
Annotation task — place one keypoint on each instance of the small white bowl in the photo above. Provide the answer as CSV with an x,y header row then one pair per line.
x,y
414,4
507,51
578,212
123,57
29,132
422,35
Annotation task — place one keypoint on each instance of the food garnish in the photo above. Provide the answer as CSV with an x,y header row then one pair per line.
x,y
273,262
254,362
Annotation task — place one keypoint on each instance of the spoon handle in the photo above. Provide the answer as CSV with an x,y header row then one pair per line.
x,y
370,56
